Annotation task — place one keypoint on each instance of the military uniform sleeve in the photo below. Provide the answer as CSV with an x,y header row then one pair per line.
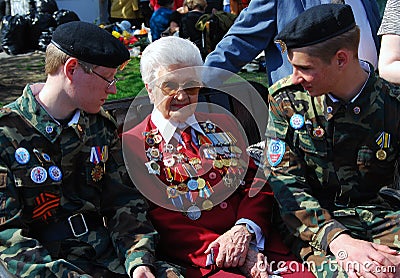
x,y
287,173
132,233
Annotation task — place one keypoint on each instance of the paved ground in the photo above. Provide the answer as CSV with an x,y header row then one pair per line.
x,y
18,70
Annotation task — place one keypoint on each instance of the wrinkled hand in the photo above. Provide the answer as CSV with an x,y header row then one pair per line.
x,y
142,272
256,265
232,247
361,258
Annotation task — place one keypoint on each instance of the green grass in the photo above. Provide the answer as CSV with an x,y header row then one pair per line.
x,y
130,83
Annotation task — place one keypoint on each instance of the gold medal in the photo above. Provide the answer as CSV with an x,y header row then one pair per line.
x,y
226,162
207,204
201,183
182,188
218,164
172,191
381,154
97,173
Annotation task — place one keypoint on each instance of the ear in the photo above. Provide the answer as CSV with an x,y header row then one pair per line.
x,y
150,92
70,66
342,58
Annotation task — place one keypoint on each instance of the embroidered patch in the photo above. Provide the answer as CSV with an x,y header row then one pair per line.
x,y
276,150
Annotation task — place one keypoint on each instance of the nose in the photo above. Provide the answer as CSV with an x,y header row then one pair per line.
x,y
112,90
296,77
180,94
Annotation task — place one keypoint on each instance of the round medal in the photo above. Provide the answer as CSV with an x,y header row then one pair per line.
x,y
218,164
318,132
22,155
381,154
207,204
38,174
171,191
201,183
157,138
182,188
192,184
55,173
193,212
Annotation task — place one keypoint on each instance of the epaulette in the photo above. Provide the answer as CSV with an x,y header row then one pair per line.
x,y
280,84
4,111
108,116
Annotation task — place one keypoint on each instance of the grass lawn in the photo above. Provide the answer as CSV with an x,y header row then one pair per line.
x,y
130,83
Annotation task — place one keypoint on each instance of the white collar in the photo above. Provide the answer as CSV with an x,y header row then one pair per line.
x,y
167,128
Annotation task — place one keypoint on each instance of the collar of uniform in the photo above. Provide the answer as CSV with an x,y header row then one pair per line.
x,y
167,128
363,98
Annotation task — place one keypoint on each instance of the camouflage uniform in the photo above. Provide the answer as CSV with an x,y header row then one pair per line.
x,y
325,171
35,236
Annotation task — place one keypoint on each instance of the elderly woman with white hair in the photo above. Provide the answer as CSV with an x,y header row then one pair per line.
x,y
193,168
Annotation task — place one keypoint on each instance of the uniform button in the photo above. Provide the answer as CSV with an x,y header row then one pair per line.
x,y
223,205
329,109
356,110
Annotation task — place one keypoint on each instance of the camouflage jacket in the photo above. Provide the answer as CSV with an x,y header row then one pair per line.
x,y
325,157
49,172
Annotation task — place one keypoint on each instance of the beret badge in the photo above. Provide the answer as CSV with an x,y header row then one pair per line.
x,y
282,45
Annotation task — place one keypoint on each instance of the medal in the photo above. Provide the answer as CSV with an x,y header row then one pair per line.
x,y
38,174
172,192
192,184
201,183
218,164
153,167
97,173
381,154
157,138
207,205
55,173
150,141
182,188
193,212
318,132
22,156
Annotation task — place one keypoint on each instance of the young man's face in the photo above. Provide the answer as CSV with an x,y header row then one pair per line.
x,y
315,75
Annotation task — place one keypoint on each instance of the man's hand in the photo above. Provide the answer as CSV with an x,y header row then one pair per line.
x,y
142,272
361,258
232,247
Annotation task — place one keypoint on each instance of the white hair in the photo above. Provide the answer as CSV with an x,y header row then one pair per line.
x,y
165,52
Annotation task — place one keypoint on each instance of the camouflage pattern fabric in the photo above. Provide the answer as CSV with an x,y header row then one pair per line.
x,y
89,177
327,161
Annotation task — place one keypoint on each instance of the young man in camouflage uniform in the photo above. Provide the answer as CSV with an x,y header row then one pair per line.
x,y
67,206
332,149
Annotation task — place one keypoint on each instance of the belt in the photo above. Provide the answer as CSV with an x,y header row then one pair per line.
x,y
74,226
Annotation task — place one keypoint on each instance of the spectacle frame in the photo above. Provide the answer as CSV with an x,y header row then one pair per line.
x,y
170,88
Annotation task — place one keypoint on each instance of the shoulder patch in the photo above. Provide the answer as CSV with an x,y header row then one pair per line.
x,y
275,151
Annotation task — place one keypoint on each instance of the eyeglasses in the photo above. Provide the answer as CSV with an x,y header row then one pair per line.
x,y
110,82
170,88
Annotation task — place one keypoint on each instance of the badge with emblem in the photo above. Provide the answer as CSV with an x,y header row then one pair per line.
x,y
38,174
22,156
383,141
55,173
97,173
193,212
318,132
275,152
207,204
153,167
297,121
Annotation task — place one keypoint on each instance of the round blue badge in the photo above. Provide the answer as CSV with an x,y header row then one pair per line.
x,y
55,173
192,184
38,174
297,121
22,155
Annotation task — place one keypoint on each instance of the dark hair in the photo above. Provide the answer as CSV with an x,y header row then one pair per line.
x,y
165,2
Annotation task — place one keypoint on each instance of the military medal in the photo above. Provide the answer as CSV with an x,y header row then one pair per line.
x,y
150,141
104,157
38,174
207,204
318,132
381,154
157,138
22,156
182,188
192,183
49,129
153,167
218,164
383,142
193,212
201,183
97,173
55,173
172,191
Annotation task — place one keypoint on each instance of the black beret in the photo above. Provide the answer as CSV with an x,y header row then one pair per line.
x,y
90,43
316,25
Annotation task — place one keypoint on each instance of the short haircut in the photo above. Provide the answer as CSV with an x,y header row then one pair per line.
x,y
193,4
165,52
